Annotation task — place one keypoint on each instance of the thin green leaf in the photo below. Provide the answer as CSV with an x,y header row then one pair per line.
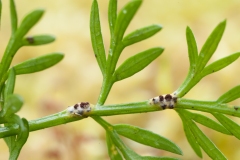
x,y
38,40
230,125
230,95
147,138
112,149
38,64
207,122
12,104
112,15
96,37
14,18
207,145
219,64
125,150
11,141
124,18
189,135
141,34
210,46
28,22
10,84
136,63
192,48
15,144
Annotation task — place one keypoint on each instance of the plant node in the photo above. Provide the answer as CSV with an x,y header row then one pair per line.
x,y
80,108
164,101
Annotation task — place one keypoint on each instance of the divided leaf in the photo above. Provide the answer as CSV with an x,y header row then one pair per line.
x,y
230,125
147,138
28,22
219,64
210,46
14,18
136,63
125,150
112,15
141,34
208,122
38,64
124,18
206,144
112,149
192,48
38,40
230,95
96,37
189,135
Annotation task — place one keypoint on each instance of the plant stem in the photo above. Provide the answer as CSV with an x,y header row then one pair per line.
x,y
208,106
64,117
128,108
41,123
106,87
13,45
107,126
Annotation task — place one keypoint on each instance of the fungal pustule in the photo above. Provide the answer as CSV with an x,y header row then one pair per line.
x,y
80,108
30,40
164,101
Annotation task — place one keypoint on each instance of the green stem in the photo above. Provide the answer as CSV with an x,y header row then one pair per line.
x,y
128,108
191,80
208,106
64,117
106,87
41,123
13,45
107,126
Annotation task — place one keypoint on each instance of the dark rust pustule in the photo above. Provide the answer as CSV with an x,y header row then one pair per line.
x,y
164,106
30,40
161,98
171,106
236,108
75,106
84,104
167,101
168,97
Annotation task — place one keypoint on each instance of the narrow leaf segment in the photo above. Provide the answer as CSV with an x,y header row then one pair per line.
x,y
147,138
38,64
210,46
136,63
206,144
96,37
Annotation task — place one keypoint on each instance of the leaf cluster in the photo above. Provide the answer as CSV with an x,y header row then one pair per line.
x,y
118,23
199,69
12,103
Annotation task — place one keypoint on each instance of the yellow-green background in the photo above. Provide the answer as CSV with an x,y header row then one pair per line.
x,y
77,78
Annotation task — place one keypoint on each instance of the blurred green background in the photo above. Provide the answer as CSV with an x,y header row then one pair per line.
x,y
77,78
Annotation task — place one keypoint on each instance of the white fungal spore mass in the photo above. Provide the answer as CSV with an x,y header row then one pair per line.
x,y
79,108
164,101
